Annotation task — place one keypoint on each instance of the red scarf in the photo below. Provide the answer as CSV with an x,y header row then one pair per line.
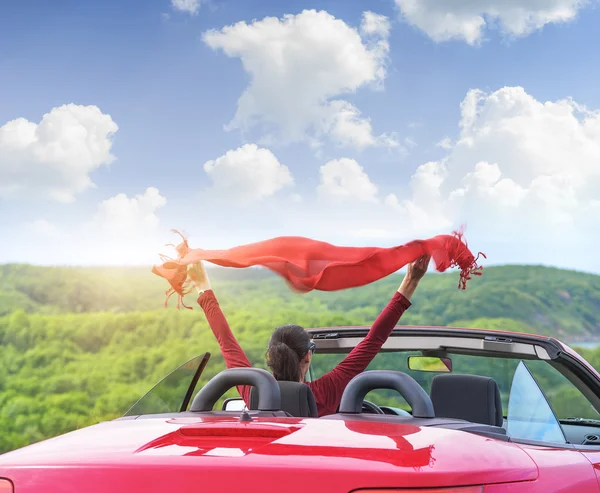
x,y
308,264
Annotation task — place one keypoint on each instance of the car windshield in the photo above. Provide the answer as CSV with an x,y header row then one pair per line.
x,y
174,392
533,392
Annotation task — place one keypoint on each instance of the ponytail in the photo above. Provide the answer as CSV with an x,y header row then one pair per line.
x,y
284,362
288,345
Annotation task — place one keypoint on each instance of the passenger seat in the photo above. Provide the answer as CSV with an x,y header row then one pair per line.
x,y
470,397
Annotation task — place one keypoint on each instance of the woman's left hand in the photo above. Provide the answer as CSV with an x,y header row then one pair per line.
x,y
418,268
416,271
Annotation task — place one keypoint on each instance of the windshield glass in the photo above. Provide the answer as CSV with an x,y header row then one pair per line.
x,y
174,393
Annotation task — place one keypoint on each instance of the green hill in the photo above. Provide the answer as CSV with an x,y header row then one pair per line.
x,y
549,301
80,345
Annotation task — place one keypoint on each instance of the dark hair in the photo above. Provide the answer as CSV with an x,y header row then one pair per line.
x,y
287,346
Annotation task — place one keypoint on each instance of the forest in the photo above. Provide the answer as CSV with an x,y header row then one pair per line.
x,y
81,345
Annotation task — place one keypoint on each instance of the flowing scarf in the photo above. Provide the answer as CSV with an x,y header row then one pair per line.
x,y
306,264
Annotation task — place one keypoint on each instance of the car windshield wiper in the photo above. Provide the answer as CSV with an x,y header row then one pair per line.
x,y
583,421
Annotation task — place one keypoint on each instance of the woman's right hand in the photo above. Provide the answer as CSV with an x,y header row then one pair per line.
x,y
198,275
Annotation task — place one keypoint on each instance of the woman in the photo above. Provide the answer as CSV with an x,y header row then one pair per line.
x,y
290,348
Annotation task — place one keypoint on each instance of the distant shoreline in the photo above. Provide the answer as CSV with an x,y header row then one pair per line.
x,y
591,344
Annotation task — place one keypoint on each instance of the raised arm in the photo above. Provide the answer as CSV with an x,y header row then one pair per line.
x,y
329,388
232,352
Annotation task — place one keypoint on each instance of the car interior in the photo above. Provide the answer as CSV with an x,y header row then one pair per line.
x,y
466,402
296,399
469,403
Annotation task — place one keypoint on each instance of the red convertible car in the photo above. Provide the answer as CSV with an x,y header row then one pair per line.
x,y
439,410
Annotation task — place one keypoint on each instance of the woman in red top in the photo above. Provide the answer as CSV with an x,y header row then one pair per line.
x,y
290,348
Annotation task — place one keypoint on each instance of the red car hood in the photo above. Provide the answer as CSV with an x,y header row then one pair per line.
x,y
183,454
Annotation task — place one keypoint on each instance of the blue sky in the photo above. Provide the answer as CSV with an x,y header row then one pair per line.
x,y
521,172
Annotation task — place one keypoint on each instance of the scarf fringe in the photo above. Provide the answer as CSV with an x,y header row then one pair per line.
x,y
170,292
466,271
472,270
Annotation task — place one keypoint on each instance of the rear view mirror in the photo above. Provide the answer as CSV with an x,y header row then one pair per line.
x,y
429,363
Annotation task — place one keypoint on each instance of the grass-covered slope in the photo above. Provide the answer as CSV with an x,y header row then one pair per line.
x,y
550,301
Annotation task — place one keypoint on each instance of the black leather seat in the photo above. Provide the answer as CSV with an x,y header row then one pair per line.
x,y
296,399
470,397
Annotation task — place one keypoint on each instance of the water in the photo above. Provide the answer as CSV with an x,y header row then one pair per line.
x,y
586,344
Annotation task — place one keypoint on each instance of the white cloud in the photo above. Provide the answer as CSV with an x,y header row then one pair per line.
x,y
345,180
300,66
523,175
410,142
468,20
424,211
54,159
445,143
375,24
124,215
43,228
189,6
521,169
248,173
123,230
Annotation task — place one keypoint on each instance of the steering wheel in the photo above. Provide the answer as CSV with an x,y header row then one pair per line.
x,y
369,407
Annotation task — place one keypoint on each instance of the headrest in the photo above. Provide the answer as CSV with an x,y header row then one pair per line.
x,y
470,397
296,399
216,387
410,390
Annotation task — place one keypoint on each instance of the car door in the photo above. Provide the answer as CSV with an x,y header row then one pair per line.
x,y
174,392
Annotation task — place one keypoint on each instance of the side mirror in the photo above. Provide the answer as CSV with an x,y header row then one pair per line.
x,y
234,404
430,363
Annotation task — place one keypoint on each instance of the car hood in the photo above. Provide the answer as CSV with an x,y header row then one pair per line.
x,y
353,454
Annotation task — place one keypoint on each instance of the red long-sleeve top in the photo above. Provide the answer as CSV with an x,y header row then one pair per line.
x,y
327,389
